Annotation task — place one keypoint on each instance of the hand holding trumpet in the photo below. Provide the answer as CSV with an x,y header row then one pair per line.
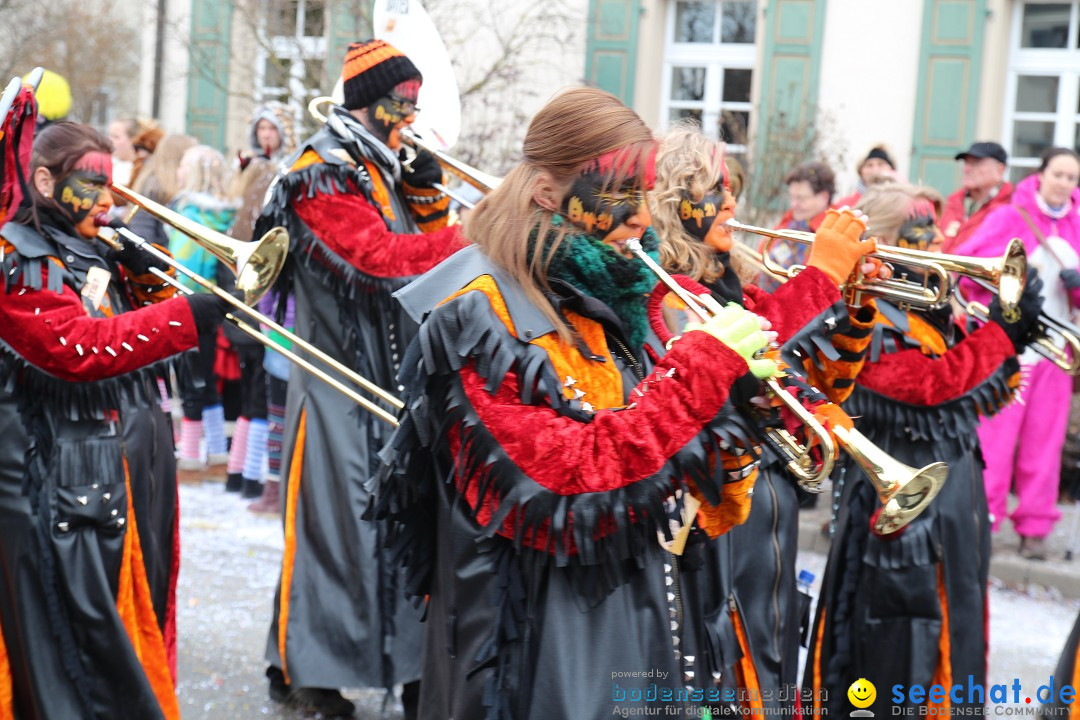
x,y
838,247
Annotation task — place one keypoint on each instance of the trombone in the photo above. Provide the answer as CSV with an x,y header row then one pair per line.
x,y
256,266
904,492
477,178
1007,274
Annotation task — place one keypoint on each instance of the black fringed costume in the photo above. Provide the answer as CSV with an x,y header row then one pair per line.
x,y
909,608
527,485
83,599
756,615
353,239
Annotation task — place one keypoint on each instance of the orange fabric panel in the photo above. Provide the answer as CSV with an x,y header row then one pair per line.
x,y
310,157
289,556
601,382
7,694
931,340
430,216
815,659
733,510
832,370
136,612
745,671
943,673
379,193
141,285
1074,706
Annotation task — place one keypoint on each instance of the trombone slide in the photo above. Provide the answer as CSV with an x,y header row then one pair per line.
x,y
299,342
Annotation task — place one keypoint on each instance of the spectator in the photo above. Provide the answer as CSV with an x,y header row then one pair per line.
x,y
1023,443
158,181
122,134
877,163
811,187
202,198
982,189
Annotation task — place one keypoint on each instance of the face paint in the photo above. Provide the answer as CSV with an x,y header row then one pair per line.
x,y
920,228
596,207
82,190
385,118
394,111
704,219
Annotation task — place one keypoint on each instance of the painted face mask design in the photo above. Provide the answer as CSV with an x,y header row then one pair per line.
x,y
79,191
595,206
920,228
698,217
390,111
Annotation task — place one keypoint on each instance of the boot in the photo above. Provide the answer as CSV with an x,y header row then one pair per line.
x,y
252,489
410,699
1032,548
234,482
270,502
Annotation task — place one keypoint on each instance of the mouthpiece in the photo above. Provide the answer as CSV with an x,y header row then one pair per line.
x,y
103,220
633,244
734,224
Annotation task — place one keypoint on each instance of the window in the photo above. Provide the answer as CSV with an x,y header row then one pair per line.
x,y
708,66
1043,92
292,55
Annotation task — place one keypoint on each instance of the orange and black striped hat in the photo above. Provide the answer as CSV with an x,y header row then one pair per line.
x,y
372,69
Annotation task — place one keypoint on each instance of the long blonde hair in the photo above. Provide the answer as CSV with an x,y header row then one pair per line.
x,y
688,164
889,204
204,171
157,180
576,126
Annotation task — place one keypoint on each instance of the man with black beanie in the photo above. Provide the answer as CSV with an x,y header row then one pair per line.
x,y
362,225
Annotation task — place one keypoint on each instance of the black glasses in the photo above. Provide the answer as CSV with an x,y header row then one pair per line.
x,y
403,106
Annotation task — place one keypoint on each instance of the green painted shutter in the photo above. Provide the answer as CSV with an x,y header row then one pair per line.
x,y
350,21
208,79
611,46
792,60
948,97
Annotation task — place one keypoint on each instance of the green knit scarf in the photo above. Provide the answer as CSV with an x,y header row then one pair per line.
x,y
622,284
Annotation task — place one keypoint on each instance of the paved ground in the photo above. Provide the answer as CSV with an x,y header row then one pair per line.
x,y
231,560
230,567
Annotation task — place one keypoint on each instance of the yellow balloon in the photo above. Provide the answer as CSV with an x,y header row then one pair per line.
x,y
53,96
862,693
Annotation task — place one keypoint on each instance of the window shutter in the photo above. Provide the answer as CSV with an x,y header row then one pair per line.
x,y
792,58
208,79
948,96
611,46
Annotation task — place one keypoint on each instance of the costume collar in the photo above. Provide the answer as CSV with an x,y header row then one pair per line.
x,y
422,295
360,143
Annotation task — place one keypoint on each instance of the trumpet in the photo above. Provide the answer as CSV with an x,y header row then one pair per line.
x,y
1056,340
904,491
256,268
1007,273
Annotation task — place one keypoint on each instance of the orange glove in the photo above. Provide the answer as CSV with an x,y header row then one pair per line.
x,y
837,248
833,416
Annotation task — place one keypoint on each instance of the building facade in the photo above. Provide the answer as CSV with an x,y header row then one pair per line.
x,y
924,77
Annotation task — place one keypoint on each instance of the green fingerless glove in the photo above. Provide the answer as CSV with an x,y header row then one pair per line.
x,y
741,331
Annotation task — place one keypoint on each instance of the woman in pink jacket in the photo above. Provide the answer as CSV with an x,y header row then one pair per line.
x,y
1023,443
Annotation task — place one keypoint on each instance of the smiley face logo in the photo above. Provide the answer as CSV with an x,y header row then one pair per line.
x,y
862,693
